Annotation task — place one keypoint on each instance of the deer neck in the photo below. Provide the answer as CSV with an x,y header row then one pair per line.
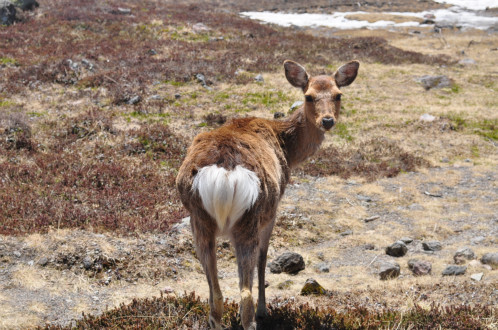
x,y
300,138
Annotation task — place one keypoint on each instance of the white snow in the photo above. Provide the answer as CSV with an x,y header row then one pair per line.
x,y
471,4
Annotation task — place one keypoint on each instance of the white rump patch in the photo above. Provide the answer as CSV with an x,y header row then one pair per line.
x,y
226,195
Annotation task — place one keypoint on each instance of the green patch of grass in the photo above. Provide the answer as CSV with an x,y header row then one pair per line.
x,y
342,131
267,98
487,128
6,103
8,61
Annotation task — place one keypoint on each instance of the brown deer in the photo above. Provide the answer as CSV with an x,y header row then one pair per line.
x,y
233,178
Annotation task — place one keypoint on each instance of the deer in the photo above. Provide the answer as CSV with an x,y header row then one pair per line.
x,y
233,177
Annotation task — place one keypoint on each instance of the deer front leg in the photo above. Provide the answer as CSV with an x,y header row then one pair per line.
x,y
264,241
205,244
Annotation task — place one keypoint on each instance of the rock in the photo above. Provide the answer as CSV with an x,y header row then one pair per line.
x,y
389,270
288,262
427,118
363,198
372,218
26,4
183,224
467,61
178,96
285,285
259,78
454,270
477,240
200,78
476,277
430,16
428,22
369,247
87,64
17,254
490,259
122,11
346,232
296,105
168,290
323,267
7,13
152,52
43,261
419,267
155,97
200,27
397,249
463,254
87,263
432,246
406,240
312,287
440,81
133,100
277,115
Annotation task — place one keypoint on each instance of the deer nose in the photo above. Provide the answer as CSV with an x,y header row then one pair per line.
x,y
328,122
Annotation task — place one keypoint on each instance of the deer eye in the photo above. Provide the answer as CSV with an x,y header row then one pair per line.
x,y
308,98
338,97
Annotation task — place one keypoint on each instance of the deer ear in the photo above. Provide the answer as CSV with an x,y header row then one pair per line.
x,y
296,74
346,74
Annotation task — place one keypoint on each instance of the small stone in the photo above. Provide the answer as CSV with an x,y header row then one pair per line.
x,y
363,198
134,100
296,105
369,247
168,290
267,284
346,233
389,270
155,97
463,254
440,81
427,118
419,267
178,96
152,52
259,78
87,263
122,11
467,61
372,218
490,259
16,254
288,262
397,249
200,27
406,240
432,246
43,261
323,267
454,270
477,240
312,287
476,277
277,115
285,285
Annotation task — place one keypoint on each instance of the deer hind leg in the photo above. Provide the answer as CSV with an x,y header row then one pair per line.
x,y
205,244
264,241
246,252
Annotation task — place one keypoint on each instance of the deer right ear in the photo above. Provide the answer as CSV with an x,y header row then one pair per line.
x,y
296,74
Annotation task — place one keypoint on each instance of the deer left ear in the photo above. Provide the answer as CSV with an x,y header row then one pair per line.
x,y
346,74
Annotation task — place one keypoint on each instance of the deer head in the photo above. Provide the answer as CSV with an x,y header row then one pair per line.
x,y
322,93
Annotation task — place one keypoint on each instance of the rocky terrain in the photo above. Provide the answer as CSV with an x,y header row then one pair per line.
x,y
99,102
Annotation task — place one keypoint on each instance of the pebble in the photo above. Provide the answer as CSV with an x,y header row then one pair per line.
x,y
432,246
476,277
389,270
259,78
288,262
454,270
397,249
463,254
372,218
323,267
420,267
277,115
406,240
296,105
490,259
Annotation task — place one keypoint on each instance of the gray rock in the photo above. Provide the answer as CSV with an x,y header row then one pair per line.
x,y
7,13
43,261
259,78
346,232
87,263
476,277
467,61
389,270
463,254
420,267
277,115
440,81
372,218
364,198
288,262
477,240
454,270
490,259
369,247
134,100
296,105
178,96
17,254
312,287
406,240
323,267
432,246
397,249
26,4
